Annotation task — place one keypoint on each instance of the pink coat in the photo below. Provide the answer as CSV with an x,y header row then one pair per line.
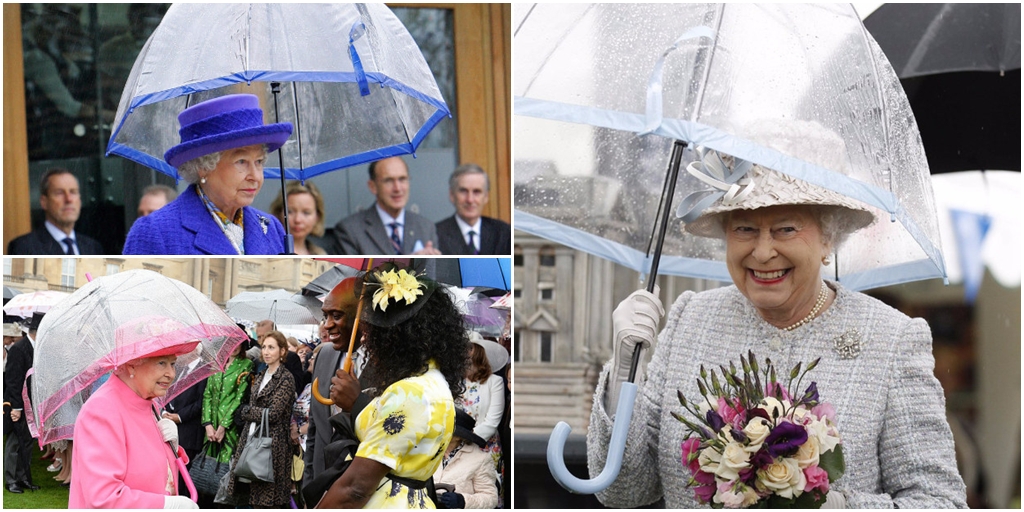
x,y
120,459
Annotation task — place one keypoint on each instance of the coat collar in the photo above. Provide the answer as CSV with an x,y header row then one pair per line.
x,y
207,236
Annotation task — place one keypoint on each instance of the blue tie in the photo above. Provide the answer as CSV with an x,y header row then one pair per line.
x,y
471,244
71,245
396,241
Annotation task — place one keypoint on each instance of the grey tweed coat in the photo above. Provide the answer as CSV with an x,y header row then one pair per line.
x,y
889,406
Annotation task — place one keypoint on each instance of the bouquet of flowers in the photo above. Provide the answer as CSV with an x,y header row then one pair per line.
x,y
757,444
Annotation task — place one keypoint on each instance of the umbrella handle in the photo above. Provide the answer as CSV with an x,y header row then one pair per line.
x,y
315,390
183,471
616,448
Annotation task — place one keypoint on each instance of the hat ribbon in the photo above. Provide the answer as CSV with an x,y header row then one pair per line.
x,y
731,185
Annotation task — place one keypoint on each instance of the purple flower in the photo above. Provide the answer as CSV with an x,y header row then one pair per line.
x,y
761,459
785,439
811,395
715,420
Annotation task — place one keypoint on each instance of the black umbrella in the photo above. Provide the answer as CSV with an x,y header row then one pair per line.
x,y
960,67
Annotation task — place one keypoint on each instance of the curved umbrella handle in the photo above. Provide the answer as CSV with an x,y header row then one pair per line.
x,y
616,448
183,471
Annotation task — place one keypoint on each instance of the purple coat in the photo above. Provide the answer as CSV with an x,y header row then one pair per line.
x,y
184,226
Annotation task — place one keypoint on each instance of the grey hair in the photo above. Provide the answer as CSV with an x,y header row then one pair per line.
x,y
465,169
190,170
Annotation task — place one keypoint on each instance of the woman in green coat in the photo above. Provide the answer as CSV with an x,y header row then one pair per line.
x,y
224,393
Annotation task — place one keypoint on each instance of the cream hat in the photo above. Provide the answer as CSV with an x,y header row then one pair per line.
x,y
760,187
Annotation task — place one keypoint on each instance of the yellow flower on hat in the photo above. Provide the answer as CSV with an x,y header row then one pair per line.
x,y
400,285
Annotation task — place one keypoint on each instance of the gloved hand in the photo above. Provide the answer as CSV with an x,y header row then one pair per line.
x,y
170,432
179,502
634,322
452,500
834,499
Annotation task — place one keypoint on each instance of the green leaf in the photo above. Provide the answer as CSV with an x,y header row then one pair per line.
x,y
833,463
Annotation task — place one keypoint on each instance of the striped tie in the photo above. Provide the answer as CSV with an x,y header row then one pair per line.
x,y
396,241
71,245
471,244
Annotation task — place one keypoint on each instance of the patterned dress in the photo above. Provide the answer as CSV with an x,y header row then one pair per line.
x,y
407,428
485,403
222,396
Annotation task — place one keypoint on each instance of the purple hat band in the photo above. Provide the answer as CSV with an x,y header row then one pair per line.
x,y
227,122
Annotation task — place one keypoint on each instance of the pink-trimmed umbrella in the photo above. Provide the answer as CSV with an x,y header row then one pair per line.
x,y
24,304
116,319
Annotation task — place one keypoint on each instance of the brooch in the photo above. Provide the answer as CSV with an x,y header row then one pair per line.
x,y
848,345
264,222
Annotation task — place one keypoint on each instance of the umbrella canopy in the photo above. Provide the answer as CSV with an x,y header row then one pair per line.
x,y
23,305
9,293
325,56
275,305
505,302
113,320
477,311
960,67
475,272
602,91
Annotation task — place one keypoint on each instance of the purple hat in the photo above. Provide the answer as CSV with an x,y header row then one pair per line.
x,y
227,122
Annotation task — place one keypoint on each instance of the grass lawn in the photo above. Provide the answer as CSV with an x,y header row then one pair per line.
x,y
50,494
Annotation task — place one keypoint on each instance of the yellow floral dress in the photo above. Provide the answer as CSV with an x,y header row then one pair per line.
x,y
407,428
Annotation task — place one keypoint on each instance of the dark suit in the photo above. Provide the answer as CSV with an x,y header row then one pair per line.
x,y
40,242
318,434
189,407
363,233
495,237
18,450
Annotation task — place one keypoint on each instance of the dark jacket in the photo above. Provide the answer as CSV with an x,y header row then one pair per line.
x,y
279,398
189,407
364,233
19,361
495,237
40,243
185,227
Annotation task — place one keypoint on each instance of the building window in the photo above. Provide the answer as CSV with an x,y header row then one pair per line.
x,y
517,260
545,347
8,266
67,272
517,356
546,291
113,268
517,293
547,259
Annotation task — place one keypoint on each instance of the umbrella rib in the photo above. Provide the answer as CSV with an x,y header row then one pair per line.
x,y
544,61
881,97
707,66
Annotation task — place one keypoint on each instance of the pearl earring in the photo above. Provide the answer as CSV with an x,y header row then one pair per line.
x,y
131,375
825,261
202,180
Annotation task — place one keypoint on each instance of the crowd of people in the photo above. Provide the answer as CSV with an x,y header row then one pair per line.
x,y
408,421
222,163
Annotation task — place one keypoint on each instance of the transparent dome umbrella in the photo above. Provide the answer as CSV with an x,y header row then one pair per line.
x,y
608,96
113,320
349,77
275,305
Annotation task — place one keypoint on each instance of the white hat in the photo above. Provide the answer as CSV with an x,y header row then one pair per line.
x,y
761,187
496,354
12,330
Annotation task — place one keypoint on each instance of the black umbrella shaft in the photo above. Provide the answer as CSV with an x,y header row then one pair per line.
x,y
289,240
668,190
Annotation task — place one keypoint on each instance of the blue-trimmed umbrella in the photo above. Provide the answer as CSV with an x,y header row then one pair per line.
x,y
607,96
349,77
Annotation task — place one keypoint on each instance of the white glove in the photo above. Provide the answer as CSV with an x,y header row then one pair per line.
x,y
834,499
634,322
179,502
170,432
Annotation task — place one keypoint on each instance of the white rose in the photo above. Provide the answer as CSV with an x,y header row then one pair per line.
x,y
733,459
783,477
757,431
808,453
771,403
820,430
709,460
745,497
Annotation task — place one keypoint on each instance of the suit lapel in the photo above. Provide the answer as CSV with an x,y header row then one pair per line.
x,y
410,233
256,232
47,243
208,238
376,232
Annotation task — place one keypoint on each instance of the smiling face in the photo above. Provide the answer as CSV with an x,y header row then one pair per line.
x,y
390,184
153,376
774,258
339,314
236,180
62,202
302,216
469,196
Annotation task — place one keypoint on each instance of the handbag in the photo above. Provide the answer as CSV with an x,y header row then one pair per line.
x,y
256,460
298,467
207,471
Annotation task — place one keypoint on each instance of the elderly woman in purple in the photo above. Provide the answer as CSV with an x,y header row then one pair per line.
x,y
223,146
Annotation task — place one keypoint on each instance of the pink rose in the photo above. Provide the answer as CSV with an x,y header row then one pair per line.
x,y
817,478
690,449
772,387
705,492
731,413
823,411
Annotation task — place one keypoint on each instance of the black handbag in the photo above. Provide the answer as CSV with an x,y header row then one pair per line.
x,y
207,471
256,462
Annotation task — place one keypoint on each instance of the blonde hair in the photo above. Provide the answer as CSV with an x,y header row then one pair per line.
x,y
295,187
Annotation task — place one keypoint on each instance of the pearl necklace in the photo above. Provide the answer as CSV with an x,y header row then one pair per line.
x,y
822,297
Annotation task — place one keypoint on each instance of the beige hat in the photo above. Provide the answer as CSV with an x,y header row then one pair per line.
x,y
12,330
759,187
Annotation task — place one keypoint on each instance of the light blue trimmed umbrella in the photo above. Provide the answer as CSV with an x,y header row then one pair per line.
x,y
350,79
609,96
